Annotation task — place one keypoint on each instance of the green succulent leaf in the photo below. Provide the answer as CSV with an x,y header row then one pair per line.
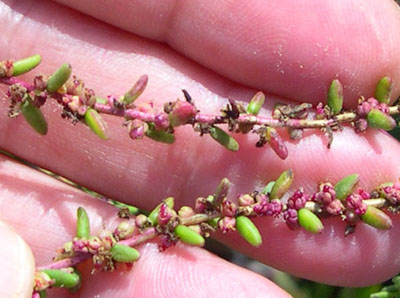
x,y
83,223
335,97
24,65
282,184
188,236
309,221
59,78
33,115
124,254
96,123
248,230
224,138
345,186
63,279
383,90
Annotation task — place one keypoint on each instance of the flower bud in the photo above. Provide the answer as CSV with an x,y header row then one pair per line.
x,y
181,112
124,230
137,129
246,200
186,211
227,224
153,216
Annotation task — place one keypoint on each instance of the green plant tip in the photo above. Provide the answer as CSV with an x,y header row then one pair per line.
x,y
282,184
63,279
268,188
256,103
96,123
248,230
383,90
59,78
188,236
124,254
43,294
214,222
377,218
309,221
135,91
335,97
153,216
24,65
380,120
345,186
34,116
222,191
224,138
82,223
160,136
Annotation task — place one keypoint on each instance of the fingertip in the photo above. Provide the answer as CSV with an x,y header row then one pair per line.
x,y
16,264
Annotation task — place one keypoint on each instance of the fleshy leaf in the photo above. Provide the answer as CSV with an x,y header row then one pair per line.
x,y
309,221
377,218
345,186
383,90
248,230
335,97
224,138
221,191
83,224
267,189
282,184
378,119
59,78
160,136
33,115
96,123
63,279
136,90
188,236
24,65
256,103
124,254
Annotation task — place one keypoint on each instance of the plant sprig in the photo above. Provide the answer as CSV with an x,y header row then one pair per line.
x,y
218,211
80,104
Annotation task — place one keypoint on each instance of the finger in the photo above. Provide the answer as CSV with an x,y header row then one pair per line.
x,y
16,264
294,50
47,211
145,172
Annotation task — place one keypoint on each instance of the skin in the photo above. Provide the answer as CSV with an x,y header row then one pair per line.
x,y
215,50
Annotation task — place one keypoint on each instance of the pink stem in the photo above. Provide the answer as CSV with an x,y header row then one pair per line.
x,y
138,239
69,262
14,80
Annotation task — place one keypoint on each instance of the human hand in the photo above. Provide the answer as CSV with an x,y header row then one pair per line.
x,y
219,50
